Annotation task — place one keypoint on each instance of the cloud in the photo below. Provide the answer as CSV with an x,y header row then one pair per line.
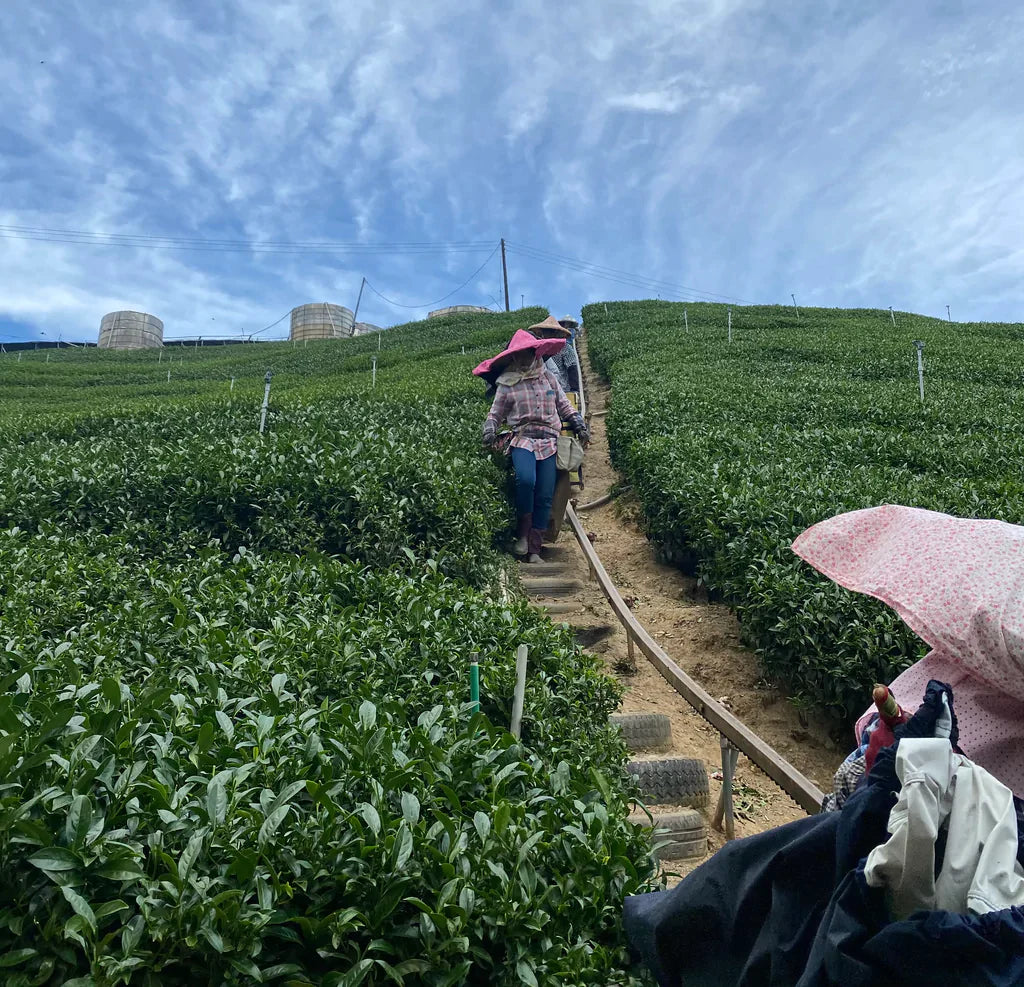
x,y
855,155
664,101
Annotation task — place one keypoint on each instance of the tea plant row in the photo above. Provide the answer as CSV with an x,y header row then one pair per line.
x,y
735,448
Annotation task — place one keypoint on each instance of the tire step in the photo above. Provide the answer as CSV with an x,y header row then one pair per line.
x,y
672,780
644,731
676,835
550,587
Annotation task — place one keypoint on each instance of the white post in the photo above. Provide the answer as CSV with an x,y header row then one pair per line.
x,y
686,321
605,308
516,726
463,350
892,315
374,372
949,318
231,389
47,356
168,376
266,403
19,358
730,325
920,367
378,340
161,359
797,307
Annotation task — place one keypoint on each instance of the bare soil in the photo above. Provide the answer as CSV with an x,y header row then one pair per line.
x,y
701,637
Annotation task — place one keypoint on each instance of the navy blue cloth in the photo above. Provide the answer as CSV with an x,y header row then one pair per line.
x,y
791,907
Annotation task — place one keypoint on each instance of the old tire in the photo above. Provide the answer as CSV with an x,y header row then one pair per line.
x,y
677,835
643,731
674,780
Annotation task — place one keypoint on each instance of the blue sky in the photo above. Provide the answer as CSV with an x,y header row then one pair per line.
x,y
855,154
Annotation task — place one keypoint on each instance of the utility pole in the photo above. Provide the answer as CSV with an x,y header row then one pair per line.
x,y
358,300
504,272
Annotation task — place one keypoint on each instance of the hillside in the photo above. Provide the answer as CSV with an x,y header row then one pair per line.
x,y
234,725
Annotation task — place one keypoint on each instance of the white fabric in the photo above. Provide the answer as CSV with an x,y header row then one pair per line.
x,y
940,788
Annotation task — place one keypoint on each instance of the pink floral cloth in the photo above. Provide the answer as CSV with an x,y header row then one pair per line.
x,y
959,584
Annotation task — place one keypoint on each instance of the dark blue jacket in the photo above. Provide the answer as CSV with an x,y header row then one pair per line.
x,y
791,907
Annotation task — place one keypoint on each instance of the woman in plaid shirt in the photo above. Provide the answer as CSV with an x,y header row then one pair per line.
x,y
533,403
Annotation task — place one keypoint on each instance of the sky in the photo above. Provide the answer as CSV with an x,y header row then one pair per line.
x,y
222,163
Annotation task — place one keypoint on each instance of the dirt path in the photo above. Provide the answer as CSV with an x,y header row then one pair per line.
x,y
702,638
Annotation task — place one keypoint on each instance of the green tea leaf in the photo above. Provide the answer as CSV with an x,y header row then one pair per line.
x,y
112,691
16,957
216,802
410,808
54,859
225,724
80,905
372,817
524,970
272,822
367,714
79,820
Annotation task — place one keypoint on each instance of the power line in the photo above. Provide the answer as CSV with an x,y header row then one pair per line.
x,y
439,300
271,326
167,242
614,274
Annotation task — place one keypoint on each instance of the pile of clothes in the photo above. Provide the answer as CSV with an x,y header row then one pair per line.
x,y
917,876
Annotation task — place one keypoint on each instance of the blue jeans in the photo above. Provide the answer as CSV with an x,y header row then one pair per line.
x,y
535,486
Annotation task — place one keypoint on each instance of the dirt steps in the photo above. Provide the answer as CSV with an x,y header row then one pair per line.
x,y
670,784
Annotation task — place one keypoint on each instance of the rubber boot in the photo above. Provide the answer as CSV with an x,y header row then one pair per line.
x,y
536,541
522,542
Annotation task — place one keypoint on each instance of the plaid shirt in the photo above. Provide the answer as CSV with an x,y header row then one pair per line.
x,y
534,408
565,367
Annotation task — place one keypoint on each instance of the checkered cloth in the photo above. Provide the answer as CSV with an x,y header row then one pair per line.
x,y
846,780
534,408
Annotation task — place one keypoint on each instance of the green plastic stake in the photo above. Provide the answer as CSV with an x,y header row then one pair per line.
x,y
474,684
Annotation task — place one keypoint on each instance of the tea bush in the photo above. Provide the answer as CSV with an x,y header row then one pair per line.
x,y
735,448
234,738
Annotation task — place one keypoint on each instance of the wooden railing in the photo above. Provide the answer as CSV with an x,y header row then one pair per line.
x,y
735,735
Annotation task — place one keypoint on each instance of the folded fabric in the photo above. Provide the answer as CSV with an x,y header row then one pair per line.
x,y
940,789
959,584
792,906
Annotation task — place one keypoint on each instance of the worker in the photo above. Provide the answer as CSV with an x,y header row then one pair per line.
x,y
567,364
548,329
533,403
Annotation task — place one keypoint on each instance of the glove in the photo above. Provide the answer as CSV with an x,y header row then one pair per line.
x,y
579,427
489,434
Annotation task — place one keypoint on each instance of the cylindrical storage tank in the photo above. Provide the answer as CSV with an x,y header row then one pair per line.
x,y
362,328
321,321
130,331
456,310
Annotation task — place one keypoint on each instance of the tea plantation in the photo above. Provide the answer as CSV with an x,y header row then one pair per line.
x,y
235,743
734,448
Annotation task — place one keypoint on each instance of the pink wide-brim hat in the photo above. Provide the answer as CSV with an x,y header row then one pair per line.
x,y
959,584
520,342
